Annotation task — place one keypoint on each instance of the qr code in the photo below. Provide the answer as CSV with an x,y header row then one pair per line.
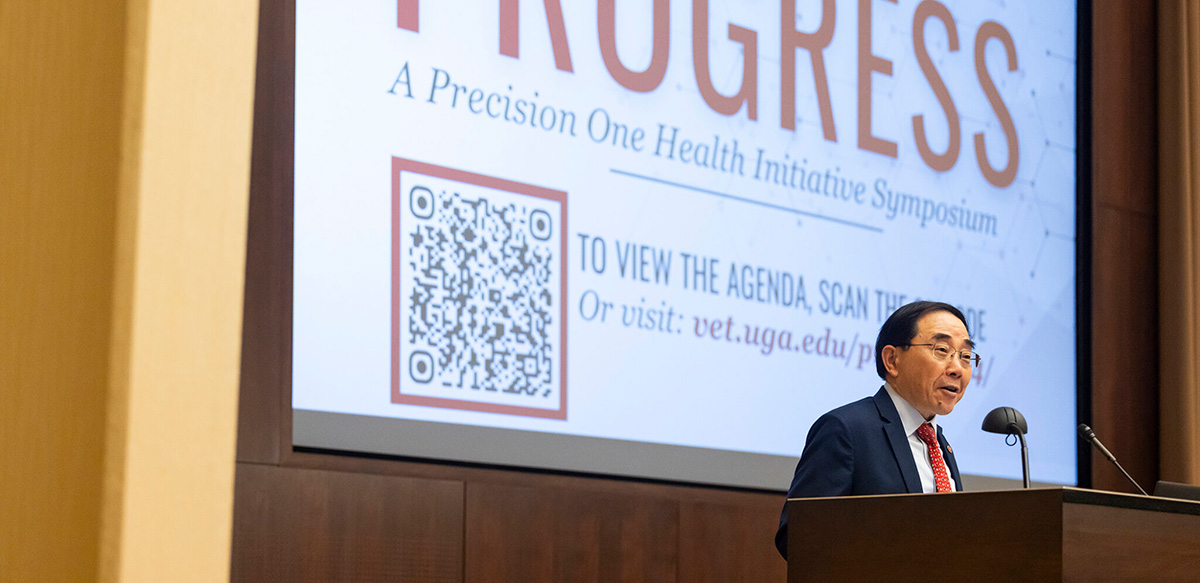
x,y
478,317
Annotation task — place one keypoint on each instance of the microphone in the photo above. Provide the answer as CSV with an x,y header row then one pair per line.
x,y
1090,436
1009,421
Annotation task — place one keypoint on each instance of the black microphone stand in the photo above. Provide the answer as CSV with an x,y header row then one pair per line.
x,y
1009,421
1014,429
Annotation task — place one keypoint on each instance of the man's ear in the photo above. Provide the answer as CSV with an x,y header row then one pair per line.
x,y
890,354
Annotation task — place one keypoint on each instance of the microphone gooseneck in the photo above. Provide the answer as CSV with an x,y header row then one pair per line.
x,y
1089,436
1014,430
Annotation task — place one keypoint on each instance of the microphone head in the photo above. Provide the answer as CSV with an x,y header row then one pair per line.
x,y
1086,432
1006,421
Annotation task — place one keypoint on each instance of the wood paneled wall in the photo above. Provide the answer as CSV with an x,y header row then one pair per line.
x,y
1125,241
322,517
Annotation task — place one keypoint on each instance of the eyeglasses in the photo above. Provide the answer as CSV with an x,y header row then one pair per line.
x,y
943,352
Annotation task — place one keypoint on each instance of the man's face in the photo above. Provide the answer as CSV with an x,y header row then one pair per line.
x,y
931,385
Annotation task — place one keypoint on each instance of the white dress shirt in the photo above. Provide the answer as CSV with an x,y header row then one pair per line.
x,y
911,419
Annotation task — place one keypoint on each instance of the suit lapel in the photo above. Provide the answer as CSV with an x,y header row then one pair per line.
x,y
948,456
894,430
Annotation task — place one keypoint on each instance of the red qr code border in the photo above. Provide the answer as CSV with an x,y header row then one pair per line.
x,y
400,165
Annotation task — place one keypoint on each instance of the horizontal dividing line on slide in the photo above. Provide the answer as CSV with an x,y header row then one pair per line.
x,y
748,200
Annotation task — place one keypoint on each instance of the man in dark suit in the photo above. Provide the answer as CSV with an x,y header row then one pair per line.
x,y
882,444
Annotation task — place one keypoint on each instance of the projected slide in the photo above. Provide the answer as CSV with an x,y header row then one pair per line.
x,y
658,239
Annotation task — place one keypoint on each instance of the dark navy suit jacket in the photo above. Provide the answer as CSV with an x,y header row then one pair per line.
x,y
854,450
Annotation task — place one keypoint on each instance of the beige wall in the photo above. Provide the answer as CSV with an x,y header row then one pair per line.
x,y
124,163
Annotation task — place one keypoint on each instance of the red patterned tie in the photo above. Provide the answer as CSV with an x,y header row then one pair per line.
x,y
940,473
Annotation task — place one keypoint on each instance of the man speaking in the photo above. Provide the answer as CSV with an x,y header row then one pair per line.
x,y
890,443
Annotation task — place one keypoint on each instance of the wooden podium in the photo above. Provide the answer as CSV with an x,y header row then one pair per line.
x,y
1060,534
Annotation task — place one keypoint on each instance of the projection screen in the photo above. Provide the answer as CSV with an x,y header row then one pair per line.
x,y
657,239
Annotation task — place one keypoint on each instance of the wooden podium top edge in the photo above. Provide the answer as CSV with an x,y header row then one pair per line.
x,y
1069,494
